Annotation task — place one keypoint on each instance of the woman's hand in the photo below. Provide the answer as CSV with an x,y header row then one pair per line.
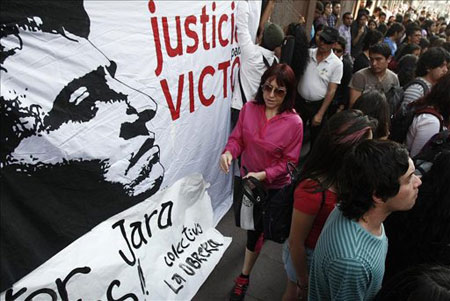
x,y
225,161
260,176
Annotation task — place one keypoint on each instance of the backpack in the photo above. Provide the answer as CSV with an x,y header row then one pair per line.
x,y
277,212
396,94
287,50
403,120
295,49
425,158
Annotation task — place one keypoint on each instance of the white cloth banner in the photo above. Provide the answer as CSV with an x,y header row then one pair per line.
x,y
103,104
161,249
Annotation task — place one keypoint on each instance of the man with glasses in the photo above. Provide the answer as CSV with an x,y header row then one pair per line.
x,y
345,31
340,101
318,85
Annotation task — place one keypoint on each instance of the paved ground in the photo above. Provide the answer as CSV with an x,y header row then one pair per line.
x,y
267,280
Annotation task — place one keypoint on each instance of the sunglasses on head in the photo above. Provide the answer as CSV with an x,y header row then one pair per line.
x,y
278,92
325,41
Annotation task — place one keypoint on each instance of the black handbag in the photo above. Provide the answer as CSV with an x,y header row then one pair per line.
x,y
249,205
277,213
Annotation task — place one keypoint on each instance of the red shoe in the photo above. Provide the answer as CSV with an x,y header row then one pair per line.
x,y
239,289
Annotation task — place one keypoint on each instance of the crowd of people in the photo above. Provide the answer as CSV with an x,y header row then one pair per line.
x,y
368,95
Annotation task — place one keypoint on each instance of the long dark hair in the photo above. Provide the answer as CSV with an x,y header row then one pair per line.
x,y
439,98
285,77
406,68
300,58
336,137
375,105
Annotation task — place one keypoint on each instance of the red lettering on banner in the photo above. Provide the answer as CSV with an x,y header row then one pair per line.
x,y
175,112
191,92
175,109
209,27
224,68
178,50
204,18
191,34
214,26
223,42
159,59
205,101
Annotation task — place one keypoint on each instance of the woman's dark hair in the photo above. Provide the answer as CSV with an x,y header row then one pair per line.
x,y
424,43
372,21
371,38
432,58
438,97
300,58
381,48
407,49
375,105
326,3
285,77
436,41
395,27
422,234
423,282
372,168
427,26
406,68
337,136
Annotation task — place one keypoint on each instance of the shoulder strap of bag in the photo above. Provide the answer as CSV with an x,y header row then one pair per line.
x,y
244,99
266,62
432,111
323,201
419,82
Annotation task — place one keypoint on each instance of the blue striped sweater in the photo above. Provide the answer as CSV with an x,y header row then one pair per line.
x,y
348,262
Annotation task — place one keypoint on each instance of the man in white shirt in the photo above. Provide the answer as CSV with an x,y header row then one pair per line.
x,y
318,85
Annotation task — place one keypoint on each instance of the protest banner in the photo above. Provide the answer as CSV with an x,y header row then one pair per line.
x,y
103,104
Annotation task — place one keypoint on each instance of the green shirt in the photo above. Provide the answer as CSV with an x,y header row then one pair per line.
x,y
348,261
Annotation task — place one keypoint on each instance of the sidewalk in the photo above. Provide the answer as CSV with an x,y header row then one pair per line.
x,y
267,280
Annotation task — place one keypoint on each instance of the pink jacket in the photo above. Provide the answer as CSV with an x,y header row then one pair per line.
x,y
266,145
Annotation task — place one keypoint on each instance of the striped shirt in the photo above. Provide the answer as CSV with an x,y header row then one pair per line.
x,y
413,92
348,261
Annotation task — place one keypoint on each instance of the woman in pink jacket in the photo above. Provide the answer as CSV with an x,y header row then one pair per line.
x,y
268,134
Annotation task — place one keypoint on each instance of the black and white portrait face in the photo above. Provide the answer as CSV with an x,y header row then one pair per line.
x,y
77,145
73,109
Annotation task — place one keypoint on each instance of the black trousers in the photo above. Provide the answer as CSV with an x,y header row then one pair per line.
x,y
307,110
